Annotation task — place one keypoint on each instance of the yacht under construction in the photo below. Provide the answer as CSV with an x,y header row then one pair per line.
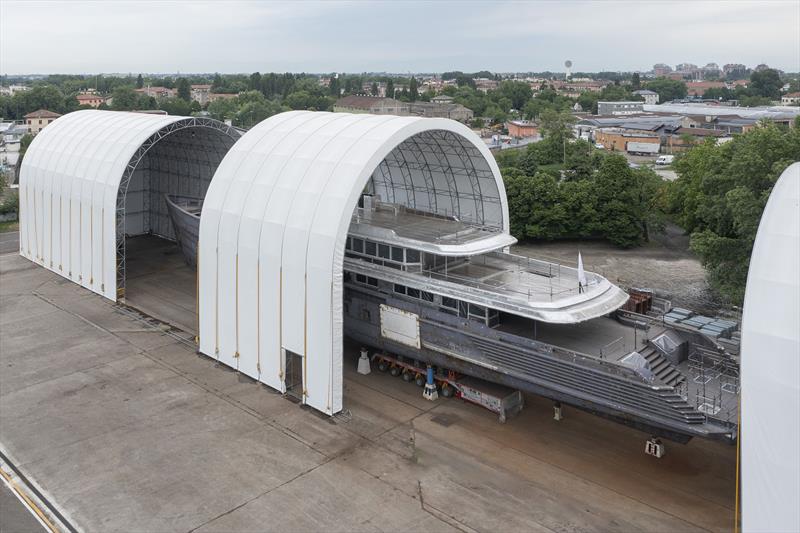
x,y
424,290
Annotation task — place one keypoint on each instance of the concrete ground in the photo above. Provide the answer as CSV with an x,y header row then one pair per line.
x,y
14,516
124,427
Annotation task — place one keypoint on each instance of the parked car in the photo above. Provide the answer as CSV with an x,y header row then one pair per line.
x,y
665,159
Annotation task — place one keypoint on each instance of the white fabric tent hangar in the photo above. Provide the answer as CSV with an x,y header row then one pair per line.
x,y
275,221
91,178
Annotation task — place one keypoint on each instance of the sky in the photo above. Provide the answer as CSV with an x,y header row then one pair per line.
x,y
75,37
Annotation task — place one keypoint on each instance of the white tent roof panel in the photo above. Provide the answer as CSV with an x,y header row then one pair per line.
x,y
69,185
293,182
770,428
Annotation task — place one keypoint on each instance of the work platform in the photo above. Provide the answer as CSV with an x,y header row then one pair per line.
x,y
123,426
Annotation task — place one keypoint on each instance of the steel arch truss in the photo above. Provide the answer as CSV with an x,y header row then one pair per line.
x,y
465,184
182,154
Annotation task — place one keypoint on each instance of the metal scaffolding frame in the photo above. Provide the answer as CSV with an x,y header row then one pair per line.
x,y
438,153
180,156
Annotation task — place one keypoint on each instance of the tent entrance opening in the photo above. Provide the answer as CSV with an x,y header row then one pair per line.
x,y
294,375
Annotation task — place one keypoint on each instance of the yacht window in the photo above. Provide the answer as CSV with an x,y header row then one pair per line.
x,y
348,245
358,246
427,296
361,278
369,248
412,256
383,251
399,289
397,254
449,302
372,281
414,293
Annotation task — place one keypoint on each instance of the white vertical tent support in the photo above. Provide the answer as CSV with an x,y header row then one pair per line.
x,y
770,394
276,216
73,184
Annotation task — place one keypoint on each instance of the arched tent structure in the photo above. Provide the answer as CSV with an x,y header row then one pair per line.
x,y
770,396
92,177
275,220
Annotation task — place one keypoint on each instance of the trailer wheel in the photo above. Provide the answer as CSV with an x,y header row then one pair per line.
x,y
383,366
407,376
395,371
420,381
448,390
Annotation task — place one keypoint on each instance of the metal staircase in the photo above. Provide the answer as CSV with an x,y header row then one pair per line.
x,y
661,367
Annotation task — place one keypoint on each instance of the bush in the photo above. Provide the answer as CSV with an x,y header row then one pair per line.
x,y
10,204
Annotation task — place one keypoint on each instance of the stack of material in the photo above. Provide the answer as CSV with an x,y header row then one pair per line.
x,y
677,315
711,327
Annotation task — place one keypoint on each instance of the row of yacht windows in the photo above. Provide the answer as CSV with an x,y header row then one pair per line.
x,y
395,254
446,304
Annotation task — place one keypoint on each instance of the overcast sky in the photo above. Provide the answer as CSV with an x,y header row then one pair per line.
x,y
398,36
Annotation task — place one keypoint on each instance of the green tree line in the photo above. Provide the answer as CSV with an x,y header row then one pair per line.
x,y
720,195
565,188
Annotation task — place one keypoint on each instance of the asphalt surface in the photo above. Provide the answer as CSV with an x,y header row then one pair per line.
x,y
9,242
14,516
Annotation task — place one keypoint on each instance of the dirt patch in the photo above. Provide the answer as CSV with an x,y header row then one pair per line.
x,y
665,265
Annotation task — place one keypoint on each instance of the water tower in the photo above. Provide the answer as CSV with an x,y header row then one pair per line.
x,y
568,65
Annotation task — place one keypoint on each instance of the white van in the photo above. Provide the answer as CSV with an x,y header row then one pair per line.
x,y
665,159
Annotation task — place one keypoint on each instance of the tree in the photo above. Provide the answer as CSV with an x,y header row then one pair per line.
x,y
754,101
527,161
139,81
766,83
620,208
390,88
556,128
720,194
636,82
335,88
255,82
254,112
518,93
175,106
184,90
668,89
218,85
718,93
373,89
588,101
223,108
413,92
616,93
124,99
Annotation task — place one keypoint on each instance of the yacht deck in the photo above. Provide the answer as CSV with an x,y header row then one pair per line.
x,y
426,232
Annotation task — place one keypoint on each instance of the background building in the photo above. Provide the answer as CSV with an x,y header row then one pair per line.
x,y
370,104
619,108
650,97
90,99
200,93
522,128
37,120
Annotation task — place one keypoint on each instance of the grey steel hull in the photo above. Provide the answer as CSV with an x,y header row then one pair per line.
x,y
184,212
477,350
